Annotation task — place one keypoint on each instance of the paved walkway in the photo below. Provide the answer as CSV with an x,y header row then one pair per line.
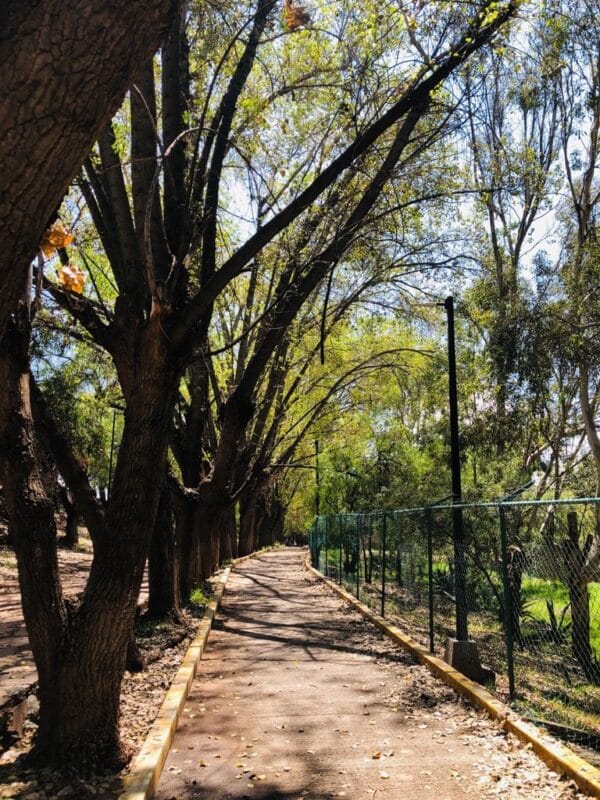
x,y
298,697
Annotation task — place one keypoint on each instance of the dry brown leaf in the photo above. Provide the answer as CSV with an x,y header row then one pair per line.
x,y
295,16
71,277
56,236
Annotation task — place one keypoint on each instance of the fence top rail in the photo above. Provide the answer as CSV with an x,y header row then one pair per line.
x,y
567,501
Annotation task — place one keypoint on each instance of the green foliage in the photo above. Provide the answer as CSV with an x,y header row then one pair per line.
x,y
198,597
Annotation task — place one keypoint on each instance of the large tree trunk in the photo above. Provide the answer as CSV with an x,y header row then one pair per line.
x,y
80,651
246,543
30,511
188,547
163,567
577,582
56,98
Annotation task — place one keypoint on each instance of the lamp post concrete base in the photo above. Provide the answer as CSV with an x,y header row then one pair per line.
x,y
464,657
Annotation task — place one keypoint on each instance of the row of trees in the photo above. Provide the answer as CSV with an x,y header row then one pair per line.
x,y
519,229
522,223
207,252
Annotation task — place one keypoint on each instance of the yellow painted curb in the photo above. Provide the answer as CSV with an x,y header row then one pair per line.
x,y
553,753
141,782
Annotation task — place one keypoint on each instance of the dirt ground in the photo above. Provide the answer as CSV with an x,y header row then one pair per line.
x,y
142,693
17,670
299,697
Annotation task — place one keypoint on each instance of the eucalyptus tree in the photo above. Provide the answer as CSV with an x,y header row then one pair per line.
x,y
578,270
577,273
512,123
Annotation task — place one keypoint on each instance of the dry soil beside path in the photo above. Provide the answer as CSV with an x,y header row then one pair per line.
x,y
17,670
299,697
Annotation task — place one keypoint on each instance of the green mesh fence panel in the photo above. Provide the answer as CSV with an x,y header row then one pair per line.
x,y
532,575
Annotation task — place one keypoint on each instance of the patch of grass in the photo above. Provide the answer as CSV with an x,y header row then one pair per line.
x,y
543,589
536,591
198,597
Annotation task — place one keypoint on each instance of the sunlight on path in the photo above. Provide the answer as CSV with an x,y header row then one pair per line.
x,y
299,697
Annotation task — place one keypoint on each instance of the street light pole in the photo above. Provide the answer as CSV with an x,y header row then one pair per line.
x,y
462,630
317,481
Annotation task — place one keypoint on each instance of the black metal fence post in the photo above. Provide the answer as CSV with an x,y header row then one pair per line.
x,y
429,521
357,557
508,611
383,561
326,570
341,535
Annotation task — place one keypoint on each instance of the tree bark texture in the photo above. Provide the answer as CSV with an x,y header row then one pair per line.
x,y
188,556
65,68
30,511
80,649
577,581
163,567
246,543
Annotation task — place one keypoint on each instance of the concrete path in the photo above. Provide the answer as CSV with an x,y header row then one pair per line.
x,y
298,697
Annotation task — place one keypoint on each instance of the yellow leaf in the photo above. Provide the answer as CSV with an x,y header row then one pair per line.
x,y
56,236
376,754
71,277
295,16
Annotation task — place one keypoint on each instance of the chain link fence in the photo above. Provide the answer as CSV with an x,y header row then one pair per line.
x,y
530,590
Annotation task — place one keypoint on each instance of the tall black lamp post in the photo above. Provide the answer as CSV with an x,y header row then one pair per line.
x,y
317,481
461,652
460,589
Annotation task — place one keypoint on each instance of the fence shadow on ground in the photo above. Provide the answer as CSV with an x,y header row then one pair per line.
x,y
531,572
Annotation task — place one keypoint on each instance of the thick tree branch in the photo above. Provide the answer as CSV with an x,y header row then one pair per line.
x,y
475,37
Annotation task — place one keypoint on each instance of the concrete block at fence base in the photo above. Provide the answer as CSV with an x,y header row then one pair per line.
x,y
464,657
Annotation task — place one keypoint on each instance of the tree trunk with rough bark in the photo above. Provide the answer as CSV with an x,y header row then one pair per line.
x,y
188,555
246,542
163,566
575,562
65,69
80,650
